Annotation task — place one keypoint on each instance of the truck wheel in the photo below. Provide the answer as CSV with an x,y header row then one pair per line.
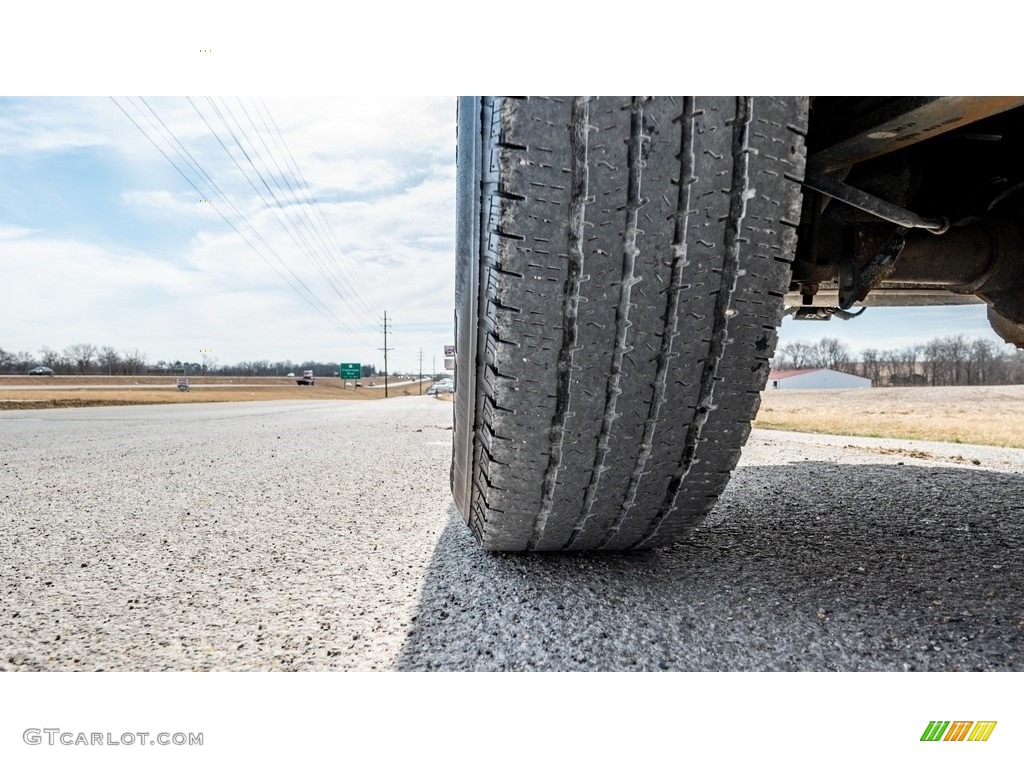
x,y
621,268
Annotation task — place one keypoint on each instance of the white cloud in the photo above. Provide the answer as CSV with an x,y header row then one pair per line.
x,y
50,125
169,205
365,145
62,292
14,233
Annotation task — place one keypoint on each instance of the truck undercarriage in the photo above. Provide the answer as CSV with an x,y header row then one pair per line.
x,y
912,201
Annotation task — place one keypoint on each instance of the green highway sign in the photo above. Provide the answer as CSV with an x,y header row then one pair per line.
x,y
349,370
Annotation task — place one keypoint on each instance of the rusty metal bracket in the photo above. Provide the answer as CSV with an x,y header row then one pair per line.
x,y
856,282
874,205
850,130
822,313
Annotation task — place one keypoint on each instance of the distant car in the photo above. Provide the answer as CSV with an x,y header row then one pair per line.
x,y
42,370
292,374
441,387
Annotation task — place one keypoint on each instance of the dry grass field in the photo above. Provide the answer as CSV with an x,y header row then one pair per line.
x,y
61,391
981,415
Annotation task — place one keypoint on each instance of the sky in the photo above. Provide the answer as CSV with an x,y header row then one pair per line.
x,y
894,327
103,241
286,231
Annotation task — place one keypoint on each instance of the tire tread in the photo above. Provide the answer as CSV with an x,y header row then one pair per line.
x,y
633,257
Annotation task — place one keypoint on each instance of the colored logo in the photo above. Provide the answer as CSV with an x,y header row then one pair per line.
x,y
958,730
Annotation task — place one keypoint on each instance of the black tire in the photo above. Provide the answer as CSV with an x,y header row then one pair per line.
x,y
614,325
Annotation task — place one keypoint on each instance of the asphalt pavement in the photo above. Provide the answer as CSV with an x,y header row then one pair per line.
x,y
321,536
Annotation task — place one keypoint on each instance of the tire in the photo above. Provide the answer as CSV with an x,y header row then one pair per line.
x,y
614,325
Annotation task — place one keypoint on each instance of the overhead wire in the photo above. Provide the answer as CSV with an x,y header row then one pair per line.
x,y
290,227
314,227
311,198
297,229
309,296
256,189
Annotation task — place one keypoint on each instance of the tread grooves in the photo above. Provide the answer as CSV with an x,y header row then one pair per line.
x,y
671,316
477,499
729,274
622,323
619,285
570,309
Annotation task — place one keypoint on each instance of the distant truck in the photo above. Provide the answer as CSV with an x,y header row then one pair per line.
x,y
307,379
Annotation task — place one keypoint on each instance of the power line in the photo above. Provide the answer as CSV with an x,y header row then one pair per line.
x,y
237,231
293,231
319,230
220,141
312,198
196,166
298,228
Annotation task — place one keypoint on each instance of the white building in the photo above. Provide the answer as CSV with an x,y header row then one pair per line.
x,y
815,378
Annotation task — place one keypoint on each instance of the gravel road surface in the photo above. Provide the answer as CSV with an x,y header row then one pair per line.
x,y
320,536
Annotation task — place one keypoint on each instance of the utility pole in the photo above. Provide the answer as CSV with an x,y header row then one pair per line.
x,y
421,370
386,348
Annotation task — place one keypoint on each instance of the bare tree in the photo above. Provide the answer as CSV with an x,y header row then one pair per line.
x,y
1014,365
910,358
24,361
6,360
872,366
828,353
134,361
933,357
983,356
956,349
793,355
892,366
82,355
110,358
51,358
951,360
209,362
